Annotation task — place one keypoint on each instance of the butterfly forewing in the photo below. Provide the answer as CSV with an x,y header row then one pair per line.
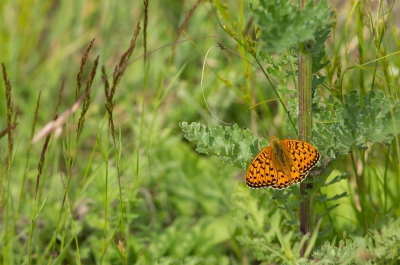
x,y
303,155
261,171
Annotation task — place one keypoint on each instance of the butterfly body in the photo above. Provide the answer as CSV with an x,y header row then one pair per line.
x,y
283,163
280,156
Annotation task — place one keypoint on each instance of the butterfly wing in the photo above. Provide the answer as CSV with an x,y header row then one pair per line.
x,y
283,181
266,170
303,155
262,172
296,176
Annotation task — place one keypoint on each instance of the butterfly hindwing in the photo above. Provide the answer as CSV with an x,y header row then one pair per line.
x,y
296,176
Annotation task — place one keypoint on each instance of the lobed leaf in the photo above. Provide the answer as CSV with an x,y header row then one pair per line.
x,y
232,145
282,23
375,119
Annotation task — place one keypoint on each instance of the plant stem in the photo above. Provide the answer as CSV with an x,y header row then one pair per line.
x,y
305,123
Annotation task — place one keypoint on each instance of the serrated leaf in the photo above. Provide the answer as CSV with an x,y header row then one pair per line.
x,y
337,179
277,67
375,119
322,198
317,49
232,145
343,254
282,23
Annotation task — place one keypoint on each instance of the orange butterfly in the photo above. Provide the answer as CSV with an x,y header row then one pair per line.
x,y
281,164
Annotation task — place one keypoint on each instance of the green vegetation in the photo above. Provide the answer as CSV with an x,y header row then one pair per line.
x,y
110,155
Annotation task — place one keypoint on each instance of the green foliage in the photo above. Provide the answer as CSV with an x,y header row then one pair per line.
x,y
143,195
187,239
341,128
277,67
380,246
343,254
353,126
383,241
370,120
317,52
232,145
262,227
271,240
282,24
317,49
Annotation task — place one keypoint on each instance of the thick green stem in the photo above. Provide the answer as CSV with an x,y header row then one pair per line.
x,y
305,123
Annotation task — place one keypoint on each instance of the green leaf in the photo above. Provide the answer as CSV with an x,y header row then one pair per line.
x,y
343,254
337,179
317,49
232,145
163,242
323,198
380,246
277,67
61,256
41,206
213,234
283,25
375,119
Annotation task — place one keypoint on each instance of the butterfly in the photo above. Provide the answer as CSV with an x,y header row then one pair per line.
x,y
283,163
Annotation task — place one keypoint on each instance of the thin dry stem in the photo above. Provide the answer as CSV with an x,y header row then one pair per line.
x,y
8,129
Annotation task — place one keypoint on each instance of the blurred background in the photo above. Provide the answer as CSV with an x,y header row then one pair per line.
x,y
177,203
